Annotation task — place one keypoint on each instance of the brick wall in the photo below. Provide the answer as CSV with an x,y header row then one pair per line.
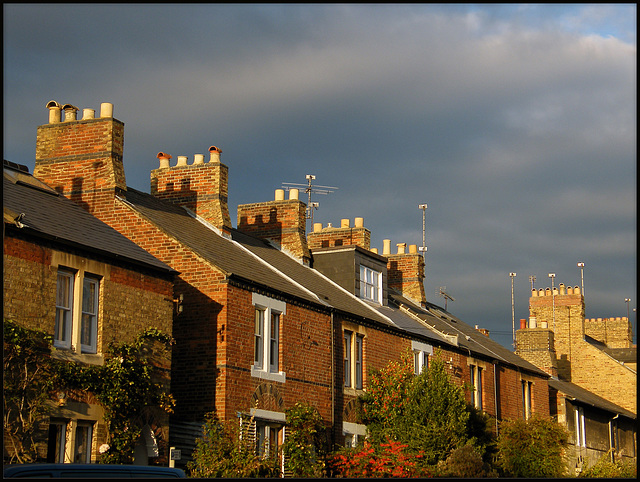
x,y
536,345
613,332
405,273
280,221
202,188
82,159
330,236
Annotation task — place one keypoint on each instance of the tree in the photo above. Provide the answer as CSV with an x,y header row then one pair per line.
x,y
428,413
532,448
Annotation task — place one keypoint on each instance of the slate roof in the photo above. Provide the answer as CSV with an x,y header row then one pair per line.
x,y
622,355
257,262
34,208
586,397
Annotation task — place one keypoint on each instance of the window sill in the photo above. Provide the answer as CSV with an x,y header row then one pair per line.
x,y
355,392
86,358
271,376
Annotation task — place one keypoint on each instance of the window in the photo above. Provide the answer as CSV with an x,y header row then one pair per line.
x,y
421,352
476,383
266,338
57,442
526,399
82,452
370,284
76,329
581,436
61,442
353,360
64,309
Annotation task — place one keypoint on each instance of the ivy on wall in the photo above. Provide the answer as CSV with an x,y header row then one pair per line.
x,y
127,386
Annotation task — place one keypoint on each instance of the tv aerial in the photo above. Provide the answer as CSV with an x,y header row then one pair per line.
x,y
442,292
310,188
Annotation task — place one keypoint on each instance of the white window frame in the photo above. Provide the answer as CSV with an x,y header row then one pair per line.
x,y
370,284
64,309
581,435
61,439
476,383
421,352
353,360
353,433
266,341
526,399
75,311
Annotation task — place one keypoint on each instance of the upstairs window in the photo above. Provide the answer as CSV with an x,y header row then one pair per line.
x,y
266,338
421,352
370,284
476,383
526,399
76,325
353,360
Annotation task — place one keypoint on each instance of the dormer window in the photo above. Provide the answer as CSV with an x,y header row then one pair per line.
x,y
370,284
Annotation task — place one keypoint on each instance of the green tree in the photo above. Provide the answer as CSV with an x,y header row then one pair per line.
x,y
605,468
532,448
305,446
427,413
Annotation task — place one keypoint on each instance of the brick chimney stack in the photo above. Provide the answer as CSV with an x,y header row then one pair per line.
x,y
330,237
280,221
81,158
201,187
405,272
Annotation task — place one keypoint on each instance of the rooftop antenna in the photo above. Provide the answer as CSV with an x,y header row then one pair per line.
x,y
310,188
423,248
442,292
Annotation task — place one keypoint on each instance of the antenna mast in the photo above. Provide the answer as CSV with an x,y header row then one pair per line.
x,y
441,292
310,188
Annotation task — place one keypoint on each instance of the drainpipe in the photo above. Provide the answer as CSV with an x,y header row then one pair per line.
x,y
612,438
495,393
333,380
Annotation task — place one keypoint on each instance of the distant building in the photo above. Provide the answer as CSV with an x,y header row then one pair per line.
x,y
593,368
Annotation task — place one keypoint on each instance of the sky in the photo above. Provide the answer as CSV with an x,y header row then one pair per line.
x,y
515,124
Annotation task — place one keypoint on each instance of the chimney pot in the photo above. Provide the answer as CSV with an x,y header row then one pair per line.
x,y
214,154
293,194
279,195
413,249
164,160
359,222
401,247
70,112
317,227
374,250
106,109
182,161
88,114
54,112
344,223
198,159
386,247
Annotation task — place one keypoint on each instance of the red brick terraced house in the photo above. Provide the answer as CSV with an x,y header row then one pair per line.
x,y
74,277
268,315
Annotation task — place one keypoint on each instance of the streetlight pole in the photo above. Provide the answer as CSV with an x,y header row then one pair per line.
x,y
553,296
581,266
513,316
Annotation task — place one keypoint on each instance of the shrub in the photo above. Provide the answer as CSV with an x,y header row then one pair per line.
x,y
532,448
305,446
605,468
465,462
